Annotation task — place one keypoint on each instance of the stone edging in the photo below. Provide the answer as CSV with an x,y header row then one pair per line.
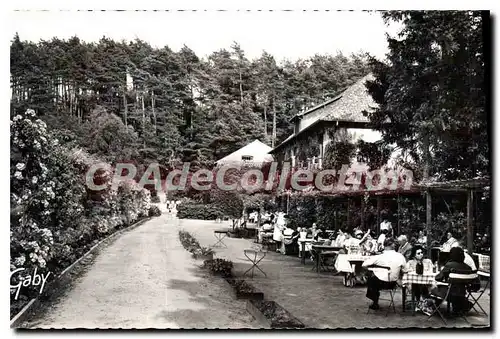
x,y
20,317
257,295
267,323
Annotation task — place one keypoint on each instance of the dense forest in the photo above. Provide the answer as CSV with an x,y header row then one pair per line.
x,y
127,100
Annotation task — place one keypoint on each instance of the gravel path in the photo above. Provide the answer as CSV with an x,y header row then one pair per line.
x,y
146,279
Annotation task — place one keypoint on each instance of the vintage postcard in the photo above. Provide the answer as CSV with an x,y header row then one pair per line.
x,y
244,169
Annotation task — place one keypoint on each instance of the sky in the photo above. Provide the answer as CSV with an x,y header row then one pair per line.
x,y
289,35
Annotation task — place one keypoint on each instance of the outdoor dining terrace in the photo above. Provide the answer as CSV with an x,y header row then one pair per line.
x,y
315,291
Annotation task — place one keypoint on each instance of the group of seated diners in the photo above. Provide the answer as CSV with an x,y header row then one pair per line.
x,y
380,279
400,255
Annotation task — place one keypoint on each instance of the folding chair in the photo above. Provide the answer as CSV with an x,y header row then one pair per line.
x,y
255,262
220,235
391,291
456,277
484,271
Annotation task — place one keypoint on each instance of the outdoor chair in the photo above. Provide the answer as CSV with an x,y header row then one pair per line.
x,y
220,235
390,291
483,271
455,279
253,256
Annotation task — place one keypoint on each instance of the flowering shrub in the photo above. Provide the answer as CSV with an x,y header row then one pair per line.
x,y
54,217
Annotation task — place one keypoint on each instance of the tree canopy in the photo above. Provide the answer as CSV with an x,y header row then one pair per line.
x,y
432,92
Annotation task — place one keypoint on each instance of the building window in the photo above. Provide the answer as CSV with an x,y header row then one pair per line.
x,y
247,157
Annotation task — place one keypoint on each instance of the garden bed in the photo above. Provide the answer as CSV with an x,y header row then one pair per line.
x,y
243,290
272,315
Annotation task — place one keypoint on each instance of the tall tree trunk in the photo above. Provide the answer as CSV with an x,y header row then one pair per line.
x,y
70,101
265,119
241,87
153,110
125,106
143,113
274,123
428,221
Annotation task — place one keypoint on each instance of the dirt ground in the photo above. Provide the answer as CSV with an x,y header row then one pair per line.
x,y
319,300
146,279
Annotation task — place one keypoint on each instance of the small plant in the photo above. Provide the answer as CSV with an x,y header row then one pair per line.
x,y
190,243
154,211
220,267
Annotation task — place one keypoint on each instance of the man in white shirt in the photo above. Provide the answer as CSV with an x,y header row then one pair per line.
x,y
382,278
468,259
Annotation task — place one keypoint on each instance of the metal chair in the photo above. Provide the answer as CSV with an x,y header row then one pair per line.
x,y
391,291
456,277
255,262
483,271
220,235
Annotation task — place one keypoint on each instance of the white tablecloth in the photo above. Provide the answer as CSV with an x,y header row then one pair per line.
x,y
342,263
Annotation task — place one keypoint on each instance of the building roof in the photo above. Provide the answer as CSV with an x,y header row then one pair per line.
x,y
257,149
352,103
348,107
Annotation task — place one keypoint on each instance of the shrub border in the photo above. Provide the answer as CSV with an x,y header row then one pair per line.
x,y
21,316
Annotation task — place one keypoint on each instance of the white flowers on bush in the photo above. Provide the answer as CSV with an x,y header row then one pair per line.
x,y
21,166
18,175
19,261
34,180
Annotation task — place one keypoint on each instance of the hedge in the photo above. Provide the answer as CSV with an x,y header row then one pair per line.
x,y
198,211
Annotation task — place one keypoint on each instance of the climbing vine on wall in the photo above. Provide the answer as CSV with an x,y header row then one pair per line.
x,y
372,153
338,153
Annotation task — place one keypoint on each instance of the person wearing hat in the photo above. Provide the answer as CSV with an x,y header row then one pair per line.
x,y
356,241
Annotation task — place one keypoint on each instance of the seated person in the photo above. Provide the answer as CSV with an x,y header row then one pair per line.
x,y
339,240
370,245
404,246
468,259
266,228
289,243
449,243
457,297
422,239
354,244
381,278
417,258
315,231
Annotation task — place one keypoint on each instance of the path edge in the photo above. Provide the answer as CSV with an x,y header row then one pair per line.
x,y
20,317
